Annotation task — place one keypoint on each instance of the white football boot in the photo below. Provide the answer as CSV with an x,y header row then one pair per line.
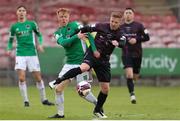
x,y
52,85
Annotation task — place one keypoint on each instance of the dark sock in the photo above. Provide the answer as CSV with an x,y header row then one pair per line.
x,y
130,85
69,74
101,100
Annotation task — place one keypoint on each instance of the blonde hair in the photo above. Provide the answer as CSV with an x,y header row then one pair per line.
x,y
63,10
116,14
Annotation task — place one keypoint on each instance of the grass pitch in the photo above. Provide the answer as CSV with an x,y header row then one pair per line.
x,y
152,103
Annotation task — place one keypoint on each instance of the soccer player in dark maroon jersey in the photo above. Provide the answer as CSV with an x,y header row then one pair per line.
x,y
107,38
132,51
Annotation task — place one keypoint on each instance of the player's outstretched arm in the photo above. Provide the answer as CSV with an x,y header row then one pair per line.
x,y
85,29
91,41
65,42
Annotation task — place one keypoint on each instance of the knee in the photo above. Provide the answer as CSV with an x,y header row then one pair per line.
x,y
21,78
129,75
105,89
84,67
58,89
37,77
129,72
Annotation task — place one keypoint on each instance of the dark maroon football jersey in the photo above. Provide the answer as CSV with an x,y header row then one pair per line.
x,y
104,37
134,30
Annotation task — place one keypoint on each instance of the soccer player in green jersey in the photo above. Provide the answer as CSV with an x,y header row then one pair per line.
x,y
26,54
74,53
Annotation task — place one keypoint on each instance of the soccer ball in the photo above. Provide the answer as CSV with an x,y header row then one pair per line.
x,y
83,88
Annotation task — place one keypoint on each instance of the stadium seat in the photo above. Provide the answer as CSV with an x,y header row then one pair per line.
x,y
160,26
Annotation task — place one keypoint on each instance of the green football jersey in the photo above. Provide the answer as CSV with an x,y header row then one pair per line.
x,y
73,45
24,32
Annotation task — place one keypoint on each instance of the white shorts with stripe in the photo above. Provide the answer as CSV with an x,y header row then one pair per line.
x,y
81,77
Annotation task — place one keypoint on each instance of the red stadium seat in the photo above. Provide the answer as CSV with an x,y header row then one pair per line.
x,y
163,28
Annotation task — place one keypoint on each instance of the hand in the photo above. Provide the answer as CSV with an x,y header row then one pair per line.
x,y
122,41
132,41
96,54
82,36
8,52
115,43
40,48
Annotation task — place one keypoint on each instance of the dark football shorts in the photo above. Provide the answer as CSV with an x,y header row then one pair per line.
x,y
134,62
100,66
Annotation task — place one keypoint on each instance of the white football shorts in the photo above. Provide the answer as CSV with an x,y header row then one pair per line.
x,y
30,62
81,77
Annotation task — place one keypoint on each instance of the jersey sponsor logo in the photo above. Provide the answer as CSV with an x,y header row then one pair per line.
x,y
128,29
23,33
68,36
130,34
19,33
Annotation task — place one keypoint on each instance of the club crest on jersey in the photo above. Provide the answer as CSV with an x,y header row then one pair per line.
x,y
27,26
68,29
